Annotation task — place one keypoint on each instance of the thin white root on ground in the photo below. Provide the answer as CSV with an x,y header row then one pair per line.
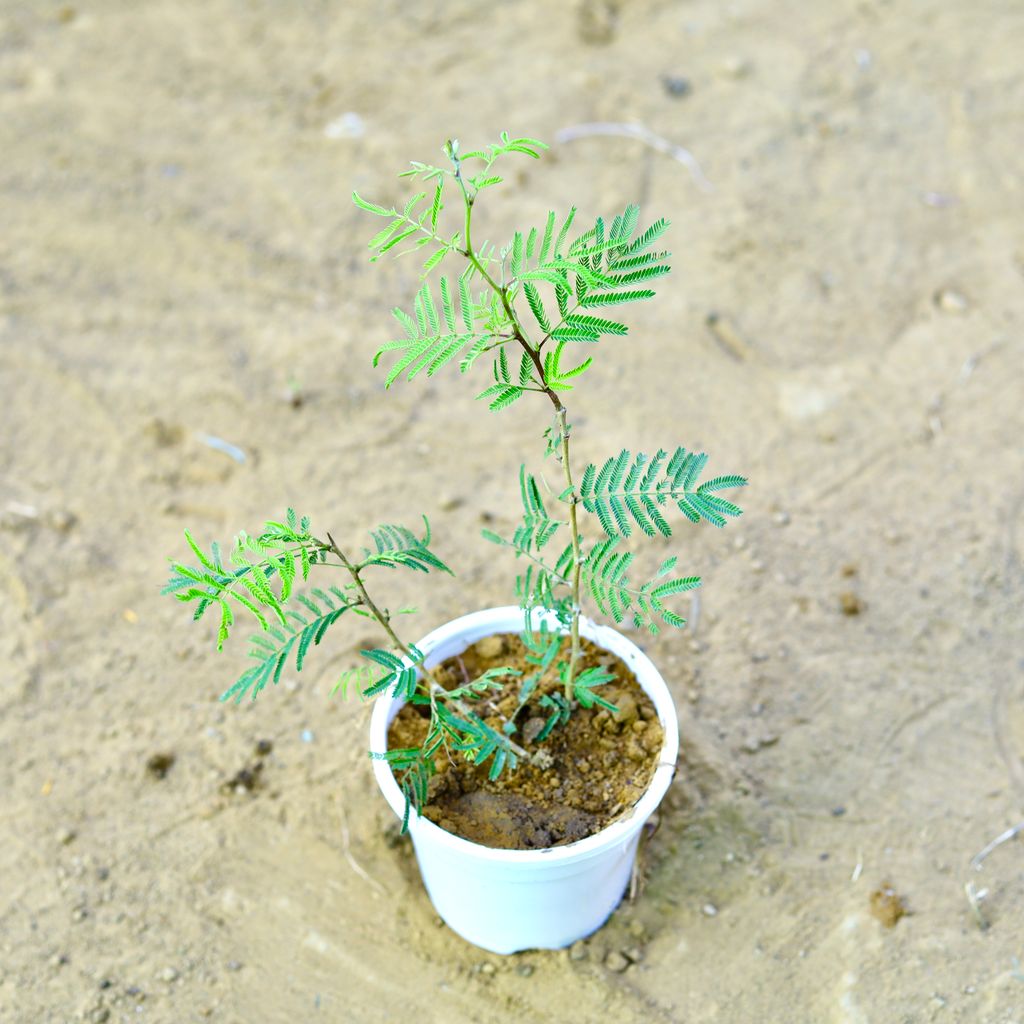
x,y
1003,837
645,135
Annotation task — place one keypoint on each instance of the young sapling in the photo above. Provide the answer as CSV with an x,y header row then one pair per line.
x,y
527,307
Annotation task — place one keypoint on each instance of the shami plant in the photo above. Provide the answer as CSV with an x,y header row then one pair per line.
x,y
528,308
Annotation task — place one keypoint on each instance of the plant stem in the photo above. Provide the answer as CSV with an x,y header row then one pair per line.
x,y
577,558
560,411
436,689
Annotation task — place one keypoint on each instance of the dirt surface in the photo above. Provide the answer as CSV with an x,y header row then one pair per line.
x,y
599,762
179,260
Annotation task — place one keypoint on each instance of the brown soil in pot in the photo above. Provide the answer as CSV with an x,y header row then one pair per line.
x,y
601,762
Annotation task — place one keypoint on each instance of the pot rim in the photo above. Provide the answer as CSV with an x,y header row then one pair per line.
x,y
620,830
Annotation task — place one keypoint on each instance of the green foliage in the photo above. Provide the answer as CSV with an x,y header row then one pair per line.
x,y
604,266
628,490
413,769
400,674
398,546
432,340
488,682
526,305
584,684
605,575
275,555
559,712
418,229
507,388
272,649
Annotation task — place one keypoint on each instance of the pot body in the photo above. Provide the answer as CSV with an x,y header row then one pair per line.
x,y
509,900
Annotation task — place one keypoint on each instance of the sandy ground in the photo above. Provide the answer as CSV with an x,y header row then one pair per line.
x,y
178,250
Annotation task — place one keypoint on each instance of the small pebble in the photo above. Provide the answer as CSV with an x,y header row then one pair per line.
x,y
636,929
757,565
349,126
234,965
160,764
634,954
886,904
486,968
950,301
66,836
616,962
490,647
709,910
264,747
60,520
850,603
168,974
781,519
838,812
676,85
307,736
578,950
734,67
525,970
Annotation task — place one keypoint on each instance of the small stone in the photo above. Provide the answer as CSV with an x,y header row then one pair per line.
x,y
264,747
349,126
850,603
525,970
234,965
757,565
838,812
160,764
734,67
488,969
634,954
59,960
781,519
66,836
491,647
950,301
636,929
99,1015
578,950
451,503
532,728
616,962
627,709
709,910
168,974
676,86
60,519
887,905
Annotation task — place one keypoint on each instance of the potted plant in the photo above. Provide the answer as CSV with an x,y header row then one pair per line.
x,y
523,747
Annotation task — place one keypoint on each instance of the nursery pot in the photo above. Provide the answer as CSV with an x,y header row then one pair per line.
x,y
509,900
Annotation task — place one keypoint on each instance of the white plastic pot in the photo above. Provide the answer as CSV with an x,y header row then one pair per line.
x,y
509,900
